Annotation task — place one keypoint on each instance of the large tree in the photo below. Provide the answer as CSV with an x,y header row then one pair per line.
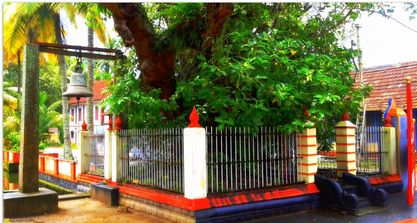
x,y
241,64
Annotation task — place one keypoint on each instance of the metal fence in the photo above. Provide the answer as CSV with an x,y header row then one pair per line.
x,y
94,153
370,156
239,159
153,157
326,163
326,160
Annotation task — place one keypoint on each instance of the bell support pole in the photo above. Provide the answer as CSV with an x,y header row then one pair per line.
x,y
28,168
80,51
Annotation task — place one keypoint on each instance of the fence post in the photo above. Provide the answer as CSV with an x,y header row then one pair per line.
x,y
73,170
56,166
115,158
108,154
81,165
42,164
308,150
345,146
390,166
195,167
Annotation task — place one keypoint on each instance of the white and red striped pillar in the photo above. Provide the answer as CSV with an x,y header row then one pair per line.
x,y
345,146
308,148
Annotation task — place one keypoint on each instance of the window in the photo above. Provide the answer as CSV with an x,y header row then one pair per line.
x,y
80,114
72,134
95,113
72,114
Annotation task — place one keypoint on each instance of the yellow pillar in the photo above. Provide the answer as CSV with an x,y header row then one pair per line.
x,y
345,147
390,165
308,148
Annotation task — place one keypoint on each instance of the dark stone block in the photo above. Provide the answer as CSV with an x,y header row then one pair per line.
x,y
13,167
106,194
17,204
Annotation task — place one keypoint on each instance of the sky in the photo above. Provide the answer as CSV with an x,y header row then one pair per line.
x,y
383,41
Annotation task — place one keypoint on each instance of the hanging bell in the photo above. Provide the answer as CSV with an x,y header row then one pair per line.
x,y
77,87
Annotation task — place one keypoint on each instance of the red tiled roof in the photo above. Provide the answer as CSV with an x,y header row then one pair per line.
x,y
98,88
389,81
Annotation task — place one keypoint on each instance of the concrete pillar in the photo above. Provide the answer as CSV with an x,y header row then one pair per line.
x,y
390,165
108,154
195,168
345,147
82,165
29,144
399,122
115,155
308,149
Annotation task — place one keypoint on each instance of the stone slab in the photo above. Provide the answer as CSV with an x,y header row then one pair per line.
x,y
17,204
106,194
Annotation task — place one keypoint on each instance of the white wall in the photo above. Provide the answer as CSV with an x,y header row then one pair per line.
x,y
75,124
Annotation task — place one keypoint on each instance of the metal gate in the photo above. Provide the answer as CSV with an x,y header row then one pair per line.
x,y
94,153
370,156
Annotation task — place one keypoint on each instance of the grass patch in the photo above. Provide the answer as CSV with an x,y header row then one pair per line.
x,y
60,190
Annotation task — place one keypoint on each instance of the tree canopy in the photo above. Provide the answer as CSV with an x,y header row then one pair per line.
x,y
240,64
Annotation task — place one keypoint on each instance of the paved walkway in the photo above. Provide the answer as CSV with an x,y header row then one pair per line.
x,y
396,211
90,211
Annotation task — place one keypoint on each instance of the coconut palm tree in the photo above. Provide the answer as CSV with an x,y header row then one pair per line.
x,y
28,22
95,25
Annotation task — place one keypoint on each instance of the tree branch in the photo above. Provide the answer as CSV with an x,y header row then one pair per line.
x,y
157,67
217,15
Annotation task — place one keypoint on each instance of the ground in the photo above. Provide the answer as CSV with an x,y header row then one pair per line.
x,y
91,211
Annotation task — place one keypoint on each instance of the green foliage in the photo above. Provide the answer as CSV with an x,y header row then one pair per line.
x,y
50,82
12,141
49,116
142,109
266,69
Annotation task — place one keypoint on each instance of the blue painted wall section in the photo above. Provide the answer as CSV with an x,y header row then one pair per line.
x,y
245,212
400,124
81,187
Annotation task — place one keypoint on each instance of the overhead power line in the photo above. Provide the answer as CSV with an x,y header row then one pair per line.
x,y
396,20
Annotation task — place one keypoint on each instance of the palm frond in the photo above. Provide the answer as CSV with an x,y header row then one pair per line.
x,y
56,106
71,12
100,30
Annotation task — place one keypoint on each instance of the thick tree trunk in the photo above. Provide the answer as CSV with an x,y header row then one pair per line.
x,y
90,83
157,67
62,70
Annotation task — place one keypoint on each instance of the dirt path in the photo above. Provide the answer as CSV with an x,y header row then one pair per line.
x,y
91,211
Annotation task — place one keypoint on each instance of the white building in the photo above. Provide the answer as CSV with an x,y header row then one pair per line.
x,y
78,113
